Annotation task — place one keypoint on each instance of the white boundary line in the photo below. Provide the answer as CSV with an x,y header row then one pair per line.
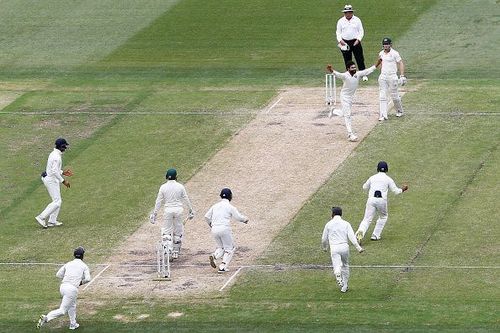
x,y
276,266
231,278
95,277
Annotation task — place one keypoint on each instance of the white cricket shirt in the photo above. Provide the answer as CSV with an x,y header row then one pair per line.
x,y
74,273
389,62
173,194
349,29
220,214
338,231
381,182
54,165
351,82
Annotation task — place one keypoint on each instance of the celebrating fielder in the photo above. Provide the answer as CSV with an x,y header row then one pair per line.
x,y
218,218
336,234
388,79
173,194
377,185
351,82
52,177
73,274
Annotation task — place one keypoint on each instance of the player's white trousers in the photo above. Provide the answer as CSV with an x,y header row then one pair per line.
x,y
340,260
225,245
69,294
346,112
172,217
388,84
374,205
52,210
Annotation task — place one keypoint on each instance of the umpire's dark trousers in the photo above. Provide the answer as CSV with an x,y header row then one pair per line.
x,y
358,54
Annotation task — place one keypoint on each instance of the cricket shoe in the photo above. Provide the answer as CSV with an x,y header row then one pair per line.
x,y
212,261
41,321
175,255
345,288
399,113
74,326
335,112
375,238
222,270
338,277
382,118
41,222
359,236
352,138
54,224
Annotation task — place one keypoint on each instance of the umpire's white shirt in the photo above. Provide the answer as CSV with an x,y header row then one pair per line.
x,y
338,232
54,166
381,182
389,62
174,194
220,214
349,29
74,273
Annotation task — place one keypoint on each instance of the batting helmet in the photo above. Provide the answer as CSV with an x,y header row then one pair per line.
x,y
382,166
171,174
61,142
386,41
336,211
79,252
226,194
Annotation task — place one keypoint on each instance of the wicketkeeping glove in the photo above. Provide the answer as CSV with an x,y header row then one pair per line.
x,y
329,68
404,187
402,80
67,173
152,218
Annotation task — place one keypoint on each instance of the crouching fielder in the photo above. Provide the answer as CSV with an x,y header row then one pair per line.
x,y
73,274
336,235
218,218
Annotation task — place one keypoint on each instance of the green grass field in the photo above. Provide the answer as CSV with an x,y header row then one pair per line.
x,y
139,86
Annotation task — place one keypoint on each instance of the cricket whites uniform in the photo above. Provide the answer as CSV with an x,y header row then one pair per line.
x,y
383,183
388,81
73,274
218,218
349,31
351,83
173,194
336,235
52,182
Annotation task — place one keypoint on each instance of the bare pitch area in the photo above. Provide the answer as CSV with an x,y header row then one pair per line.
x,y
273,166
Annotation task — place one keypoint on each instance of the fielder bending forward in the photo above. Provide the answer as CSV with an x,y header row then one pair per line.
x,y
377,185
174,195
336,235
73,274
351,82
218,218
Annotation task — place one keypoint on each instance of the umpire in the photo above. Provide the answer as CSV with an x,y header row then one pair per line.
x,y
349,35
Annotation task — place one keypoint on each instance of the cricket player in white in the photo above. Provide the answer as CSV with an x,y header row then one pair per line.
x,y
377,186
52,178
388,79
351,82
336,235
218,218
173,194
73,274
